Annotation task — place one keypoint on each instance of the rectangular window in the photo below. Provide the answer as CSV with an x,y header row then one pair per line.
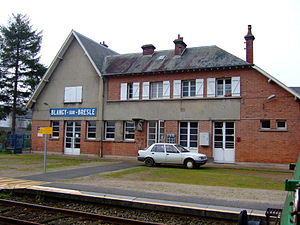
x,y
156,90
129,90
110,130
189,134
281,125
73,94
224,135
156,132
129,130
265,124
223,87
55,126
91,129
188,88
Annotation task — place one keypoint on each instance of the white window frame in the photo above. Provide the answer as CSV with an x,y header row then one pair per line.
x,y
225,91
189,87
130,91
110,125
129,130
156,90
188,134
279,127
90,126
73,94
228,90
55,130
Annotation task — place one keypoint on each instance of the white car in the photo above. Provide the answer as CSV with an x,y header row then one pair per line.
x,y
171,154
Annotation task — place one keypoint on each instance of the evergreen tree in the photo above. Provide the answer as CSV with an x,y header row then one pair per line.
x,y
20,70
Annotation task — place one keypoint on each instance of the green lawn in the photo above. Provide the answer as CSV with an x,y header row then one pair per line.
x,y
35,163
211,176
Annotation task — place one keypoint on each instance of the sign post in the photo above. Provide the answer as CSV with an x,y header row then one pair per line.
x,y
45,131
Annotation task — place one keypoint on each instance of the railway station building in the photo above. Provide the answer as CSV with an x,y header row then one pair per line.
x,y
103,103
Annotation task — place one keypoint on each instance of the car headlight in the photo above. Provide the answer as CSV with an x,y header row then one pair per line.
x,y
202,157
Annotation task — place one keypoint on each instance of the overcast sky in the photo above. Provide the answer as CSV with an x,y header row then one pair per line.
x,y
126,25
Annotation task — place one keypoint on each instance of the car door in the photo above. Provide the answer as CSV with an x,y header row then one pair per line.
x,y
173,155
158,153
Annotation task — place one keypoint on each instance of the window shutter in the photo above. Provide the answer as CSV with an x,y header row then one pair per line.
x,y
136,91
199,88
146,90
68,94
78,94
177,89
123,91
211,86
235,89
166,89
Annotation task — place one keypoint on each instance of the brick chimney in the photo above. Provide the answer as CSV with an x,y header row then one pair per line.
x,y
249,45
148,49
179,45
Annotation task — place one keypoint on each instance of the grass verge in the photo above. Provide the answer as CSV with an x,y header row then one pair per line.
x,y
210,176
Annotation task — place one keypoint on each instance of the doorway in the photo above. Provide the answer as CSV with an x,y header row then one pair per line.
x,y
72,138
224,145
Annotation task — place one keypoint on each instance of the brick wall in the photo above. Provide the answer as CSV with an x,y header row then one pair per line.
x,y
120,148
267,146
254,145
56,145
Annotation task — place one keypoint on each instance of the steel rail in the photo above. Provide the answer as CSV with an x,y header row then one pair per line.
x,y
112,219
10,221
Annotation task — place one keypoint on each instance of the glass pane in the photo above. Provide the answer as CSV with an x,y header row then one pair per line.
x,y
218,131
218,138
229,124
183,143
77,145
229,138
229,131
218,144
183,137
193,144
229,145
194,124
218,124
68,145
183,124
193,131
92,135
193,137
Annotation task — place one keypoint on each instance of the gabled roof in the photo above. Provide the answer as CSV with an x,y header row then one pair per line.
x,y
95,52
192,58
293,91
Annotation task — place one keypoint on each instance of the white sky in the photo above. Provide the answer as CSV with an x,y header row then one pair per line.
x,y
126,25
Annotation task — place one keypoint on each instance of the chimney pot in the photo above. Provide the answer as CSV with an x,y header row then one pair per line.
x,y
180,46
148,49
249,45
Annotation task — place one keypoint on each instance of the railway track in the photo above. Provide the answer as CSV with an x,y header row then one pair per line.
x,y
21,213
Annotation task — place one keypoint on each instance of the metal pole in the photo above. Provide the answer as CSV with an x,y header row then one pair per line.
x,y
45,153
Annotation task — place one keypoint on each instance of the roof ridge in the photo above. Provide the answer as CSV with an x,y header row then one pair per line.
x,y
77,33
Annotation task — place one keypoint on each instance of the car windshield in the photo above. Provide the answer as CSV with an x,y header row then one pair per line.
x,y
181,148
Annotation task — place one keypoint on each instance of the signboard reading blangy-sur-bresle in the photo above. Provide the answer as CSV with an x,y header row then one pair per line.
x,y
73,112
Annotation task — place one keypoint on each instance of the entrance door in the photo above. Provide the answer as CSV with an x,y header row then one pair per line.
x,y
188,136
224,151
155,132
72,138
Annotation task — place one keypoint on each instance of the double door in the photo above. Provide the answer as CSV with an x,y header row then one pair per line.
x,y
224,144
72,138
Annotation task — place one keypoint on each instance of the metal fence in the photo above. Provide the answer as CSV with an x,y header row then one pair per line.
x,y
18,142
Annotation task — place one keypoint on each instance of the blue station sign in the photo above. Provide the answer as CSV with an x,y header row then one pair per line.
x,y
73,112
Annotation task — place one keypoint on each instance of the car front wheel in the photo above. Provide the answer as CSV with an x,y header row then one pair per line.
x,y
149,162
190,164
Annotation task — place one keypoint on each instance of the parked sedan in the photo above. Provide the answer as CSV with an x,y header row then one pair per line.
x,y
166,153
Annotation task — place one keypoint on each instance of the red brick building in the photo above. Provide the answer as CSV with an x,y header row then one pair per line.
x,y
204,98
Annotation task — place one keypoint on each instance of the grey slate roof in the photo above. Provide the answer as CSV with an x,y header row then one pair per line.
x,y
296,89
193,58
97,51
